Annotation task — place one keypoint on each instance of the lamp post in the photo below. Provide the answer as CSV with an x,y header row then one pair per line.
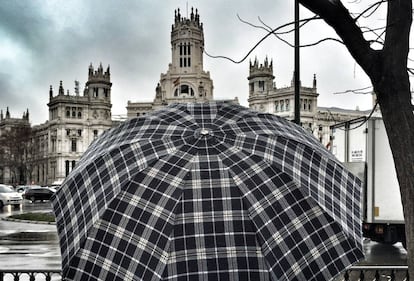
x,y
297,66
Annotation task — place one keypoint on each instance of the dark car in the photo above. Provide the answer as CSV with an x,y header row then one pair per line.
x,y
38,193
22,188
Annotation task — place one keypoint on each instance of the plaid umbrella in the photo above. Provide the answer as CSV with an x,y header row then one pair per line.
x,y
209,191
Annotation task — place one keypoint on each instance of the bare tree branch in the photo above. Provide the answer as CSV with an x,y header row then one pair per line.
x,y
255,46
275,33
261,27
278,31
305,45
360,91
374,7
338,17
355,2
302,23
365,29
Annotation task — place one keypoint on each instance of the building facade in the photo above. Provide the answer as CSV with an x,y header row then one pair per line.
x,y
75,120
14,146
265,96
185,80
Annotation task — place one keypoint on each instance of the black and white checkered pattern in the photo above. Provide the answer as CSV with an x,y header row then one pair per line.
x,y
209,191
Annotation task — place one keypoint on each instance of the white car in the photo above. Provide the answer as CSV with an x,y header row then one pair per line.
x,y
9,197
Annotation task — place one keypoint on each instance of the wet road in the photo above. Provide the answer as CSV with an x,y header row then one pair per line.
x,y
381,254
45,253
39,248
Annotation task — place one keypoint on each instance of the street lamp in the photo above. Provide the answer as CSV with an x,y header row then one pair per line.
x,y
297,66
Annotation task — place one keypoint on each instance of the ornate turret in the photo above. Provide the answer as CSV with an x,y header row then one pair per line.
x,y
187,41
262,70
99,74
194,19
314,81
260,77
99,83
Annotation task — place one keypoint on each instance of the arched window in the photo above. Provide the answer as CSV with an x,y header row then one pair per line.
x,y
261,85
184,89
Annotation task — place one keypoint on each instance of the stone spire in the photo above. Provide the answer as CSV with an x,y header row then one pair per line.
x,y
61,90
50,92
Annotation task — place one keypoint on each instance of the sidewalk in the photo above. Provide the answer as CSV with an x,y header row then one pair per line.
x,y
16,230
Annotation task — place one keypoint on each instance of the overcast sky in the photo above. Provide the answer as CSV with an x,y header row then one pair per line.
x,y
43,42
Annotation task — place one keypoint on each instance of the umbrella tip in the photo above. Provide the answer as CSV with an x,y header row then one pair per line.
x,y
203,132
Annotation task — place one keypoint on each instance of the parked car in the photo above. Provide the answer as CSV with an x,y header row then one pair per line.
x,y
21,188
9,197
38,193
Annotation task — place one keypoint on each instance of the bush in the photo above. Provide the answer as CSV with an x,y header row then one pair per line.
x,y
47,217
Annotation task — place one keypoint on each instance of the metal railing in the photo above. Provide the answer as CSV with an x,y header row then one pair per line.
x,y
355,273
30,274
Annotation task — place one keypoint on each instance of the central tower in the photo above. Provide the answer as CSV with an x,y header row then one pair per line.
x,y
185,80
187,43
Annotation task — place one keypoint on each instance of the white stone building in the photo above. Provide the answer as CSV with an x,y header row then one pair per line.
x,y
75,120
265,96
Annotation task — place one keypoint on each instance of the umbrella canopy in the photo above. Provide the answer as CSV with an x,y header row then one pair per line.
x,y
208,191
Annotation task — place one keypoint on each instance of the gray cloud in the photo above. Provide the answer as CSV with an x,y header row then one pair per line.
x,y
56,40
24,23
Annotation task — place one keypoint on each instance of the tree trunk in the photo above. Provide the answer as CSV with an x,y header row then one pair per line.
x,y
387,69
399,119
394,96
